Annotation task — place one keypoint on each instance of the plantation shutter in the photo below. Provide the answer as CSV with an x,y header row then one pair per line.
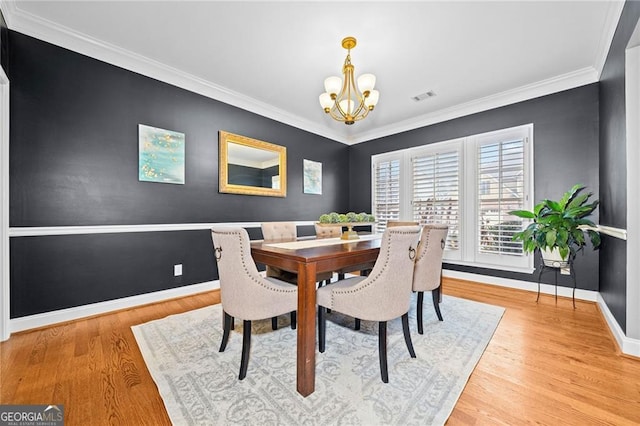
x,y
436,192
386,192
501,189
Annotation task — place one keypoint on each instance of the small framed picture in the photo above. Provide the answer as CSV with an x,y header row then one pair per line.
x,y
160,155
312,177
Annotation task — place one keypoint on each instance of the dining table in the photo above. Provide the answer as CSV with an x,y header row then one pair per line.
x,y
307,257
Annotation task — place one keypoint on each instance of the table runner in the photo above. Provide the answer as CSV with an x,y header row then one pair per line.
x,y
295,245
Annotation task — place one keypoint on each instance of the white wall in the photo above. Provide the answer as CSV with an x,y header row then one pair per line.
x,y
632,97
4,210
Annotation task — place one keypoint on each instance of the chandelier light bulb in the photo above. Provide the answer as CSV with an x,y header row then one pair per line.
x,y
326,102
347,105
332,85
372,99
366,83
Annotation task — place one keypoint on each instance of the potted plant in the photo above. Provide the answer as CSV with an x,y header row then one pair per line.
x,y
559,227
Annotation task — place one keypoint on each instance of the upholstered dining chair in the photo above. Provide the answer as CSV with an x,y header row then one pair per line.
x,y
391,223
244,293
328,231
427,272
382,296
286,231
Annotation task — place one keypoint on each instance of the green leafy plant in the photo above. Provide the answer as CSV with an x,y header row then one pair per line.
x,y
352,217
560,224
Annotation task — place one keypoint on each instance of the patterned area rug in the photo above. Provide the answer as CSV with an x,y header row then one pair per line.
x,y
199,385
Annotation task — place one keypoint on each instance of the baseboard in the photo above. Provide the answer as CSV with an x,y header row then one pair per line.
x,y
588,295
627,345
70,314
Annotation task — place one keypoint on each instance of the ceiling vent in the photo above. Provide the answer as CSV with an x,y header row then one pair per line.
x,y
423,96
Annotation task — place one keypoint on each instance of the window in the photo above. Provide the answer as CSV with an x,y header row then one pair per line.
x,y
436,190
470,184
386,193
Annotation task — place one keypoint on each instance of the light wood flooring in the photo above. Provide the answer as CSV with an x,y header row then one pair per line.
x,y
546,364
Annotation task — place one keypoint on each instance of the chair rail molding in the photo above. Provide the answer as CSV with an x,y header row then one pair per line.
x,y
41,231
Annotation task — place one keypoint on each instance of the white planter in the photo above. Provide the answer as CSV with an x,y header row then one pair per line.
x,y
553,259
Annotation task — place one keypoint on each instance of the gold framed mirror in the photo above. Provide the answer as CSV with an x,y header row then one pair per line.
x,y
251,166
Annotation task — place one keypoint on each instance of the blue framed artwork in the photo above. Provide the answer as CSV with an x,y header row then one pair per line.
x,y
160,155
312,177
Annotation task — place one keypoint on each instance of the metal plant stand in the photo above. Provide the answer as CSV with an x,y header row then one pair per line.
x,y
556,267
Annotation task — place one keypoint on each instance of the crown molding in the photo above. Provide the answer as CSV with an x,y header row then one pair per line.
x,y
609,30
51,32
59,35
535,90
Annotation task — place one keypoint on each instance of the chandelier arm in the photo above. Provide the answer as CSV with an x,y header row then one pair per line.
x,y
360,108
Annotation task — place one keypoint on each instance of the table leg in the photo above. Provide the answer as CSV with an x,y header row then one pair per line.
x,y
306,348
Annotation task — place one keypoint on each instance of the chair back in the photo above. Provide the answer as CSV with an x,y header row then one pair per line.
x,y
386,293
391,223
279,231
237,272
428,267
328,231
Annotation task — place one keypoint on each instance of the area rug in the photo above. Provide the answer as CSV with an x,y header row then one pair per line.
x,y
200,386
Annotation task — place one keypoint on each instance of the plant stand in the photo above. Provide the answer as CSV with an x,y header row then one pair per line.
x,y
547,266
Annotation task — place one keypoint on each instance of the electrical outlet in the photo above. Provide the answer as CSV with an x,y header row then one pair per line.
x,y
177,270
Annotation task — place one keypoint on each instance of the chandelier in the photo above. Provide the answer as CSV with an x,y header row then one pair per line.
x,y
343,100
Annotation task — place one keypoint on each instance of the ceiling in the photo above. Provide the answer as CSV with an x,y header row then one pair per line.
x,y
271,58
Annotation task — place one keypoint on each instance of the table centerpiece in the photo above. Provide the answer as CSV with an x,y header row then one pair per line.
x,y
349,220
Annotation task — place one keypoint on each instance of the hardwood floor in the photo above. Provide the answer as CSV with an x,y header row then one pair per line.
x,y
546,364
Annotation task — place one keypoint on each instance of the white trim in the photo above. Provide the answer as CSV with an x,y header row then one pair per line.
x,y
70,314
632,107
560,83
4,212
54,33
610,230
39,231
626,344
59,35
581,294
610,26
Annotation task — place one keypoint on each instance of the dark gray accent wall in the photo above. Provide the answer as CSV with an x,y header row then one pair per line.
x,y
74,161
613,168
565,153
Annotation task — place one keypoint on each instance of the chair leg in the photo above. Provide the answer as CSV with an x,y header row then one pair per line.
x,y
436,302
228,319
294,321
407,334
357,326
274,323
322,326
246,346
382,350
419,309
233,323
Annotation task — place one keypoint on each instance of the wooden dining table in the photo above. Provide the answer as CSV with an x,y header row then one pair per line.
x,y
308,257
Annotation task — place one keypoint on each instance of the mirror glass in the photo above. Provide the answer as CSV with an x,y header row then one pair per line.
x,y
252,167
